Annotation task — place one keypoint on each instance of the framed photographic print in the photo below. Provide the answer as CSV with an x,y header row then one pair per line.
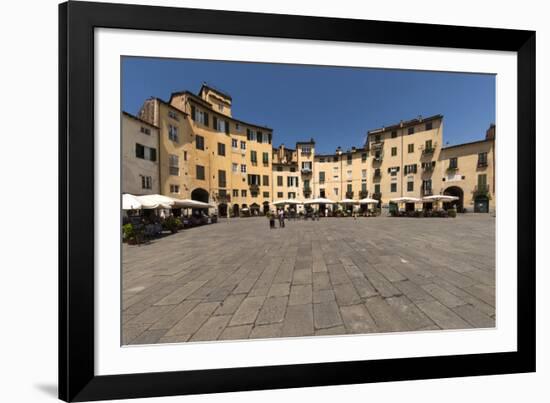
x,y
256,201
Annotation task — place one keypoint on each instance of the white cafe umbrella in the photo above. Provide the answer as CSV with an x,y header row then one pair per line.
x,y
188,203
287,201
349,201
158,201
367,200
444,198
406,200
319,200
130,202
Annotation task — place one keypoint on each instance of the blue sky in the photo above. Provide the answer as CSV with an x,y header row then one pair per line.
x,y
334,105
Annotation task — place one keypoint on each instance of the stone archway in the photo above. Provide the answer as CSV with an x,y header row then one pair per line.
x,y
200,194
457,192
222,210
266,207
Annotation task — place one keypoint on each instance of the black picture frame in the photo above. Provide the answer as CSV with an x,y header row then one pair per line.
x,y
77,21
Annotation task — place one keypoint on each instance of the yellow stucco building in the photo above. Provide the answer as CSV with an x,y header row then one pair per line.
x,y
205,153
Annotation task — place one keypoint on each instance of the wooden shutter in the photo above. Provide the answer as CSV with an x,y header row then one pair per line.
x,y
193,110
153,154
226,127
205,119
215,122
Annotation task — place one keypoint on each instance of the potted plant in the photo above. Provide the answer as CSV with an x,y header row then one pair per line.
x,y
171,224
132,234
451,212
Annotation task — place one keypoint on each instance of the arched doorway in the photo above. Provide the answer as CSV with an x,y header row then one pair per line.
x,y
266,207
255,209
236,210
200,194
222,210
481,204
457,192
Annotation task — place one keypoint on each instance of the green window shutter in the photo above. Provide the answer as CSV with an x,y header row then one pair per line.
x,y
226,127
215,121
153,154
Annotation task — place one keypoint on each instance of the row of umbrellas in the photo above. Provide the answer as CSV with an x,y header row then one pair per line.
x,y
322,200
131,202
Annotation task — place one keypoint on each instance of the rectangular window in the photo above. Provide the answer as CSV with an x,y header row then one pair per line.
x,y
411,148
265,158
250,135
350,159
265,180
349,173
243,193
321,177
394,134
482,159
482,180
336,191
265,195
260,137
393,187
306,165
253,157
173,133
292,181
140,151
220,125
173,165
410,130
377,188
377,138
427,185
234,167
364,187
292,169
235,192
291,195
349,188
279,169
238,127
321,159
254,179
453,163
199,142
221,149
429,126
234,143
393,171
200,172
279,181
174,188
221,179
363,174
364,157
145,130
410,169
199,116
243,145
410,186
280,195
428,144
306,150
173,115
243,168
393,151
185,155
146,182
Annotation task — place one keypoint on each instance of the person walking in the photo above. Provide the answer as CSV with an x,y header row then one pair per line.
x,y
281,218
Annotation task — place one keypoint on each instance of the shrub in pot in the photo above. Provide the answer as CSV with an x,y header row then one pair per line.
x,y
171,224
451,212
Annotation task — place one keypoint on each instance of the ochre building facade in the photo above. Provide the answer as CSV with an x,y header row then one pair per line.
x,y
205,153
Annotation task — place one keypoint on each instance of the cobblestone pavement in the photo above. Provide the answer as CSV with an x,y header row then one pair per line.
x,y
242,280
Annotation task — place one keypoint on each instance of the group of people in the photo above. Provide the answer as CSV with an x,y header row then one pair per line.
x,y
280,215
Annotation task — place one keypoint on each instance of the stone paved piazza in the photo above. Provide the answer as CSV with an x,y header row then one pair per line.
x,y
239,279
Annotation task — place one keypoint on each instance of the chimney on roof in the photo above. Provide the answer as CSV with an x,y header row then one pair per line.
x,y
491,132
401,123
420,118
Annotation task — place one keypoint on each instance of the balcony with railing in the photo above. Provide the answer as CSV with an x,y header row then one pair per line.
x,y
482,164
254,188
377,196
173,170
426,192
349,195
363,194
307,191
306,171
428,150
376,144
377,174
